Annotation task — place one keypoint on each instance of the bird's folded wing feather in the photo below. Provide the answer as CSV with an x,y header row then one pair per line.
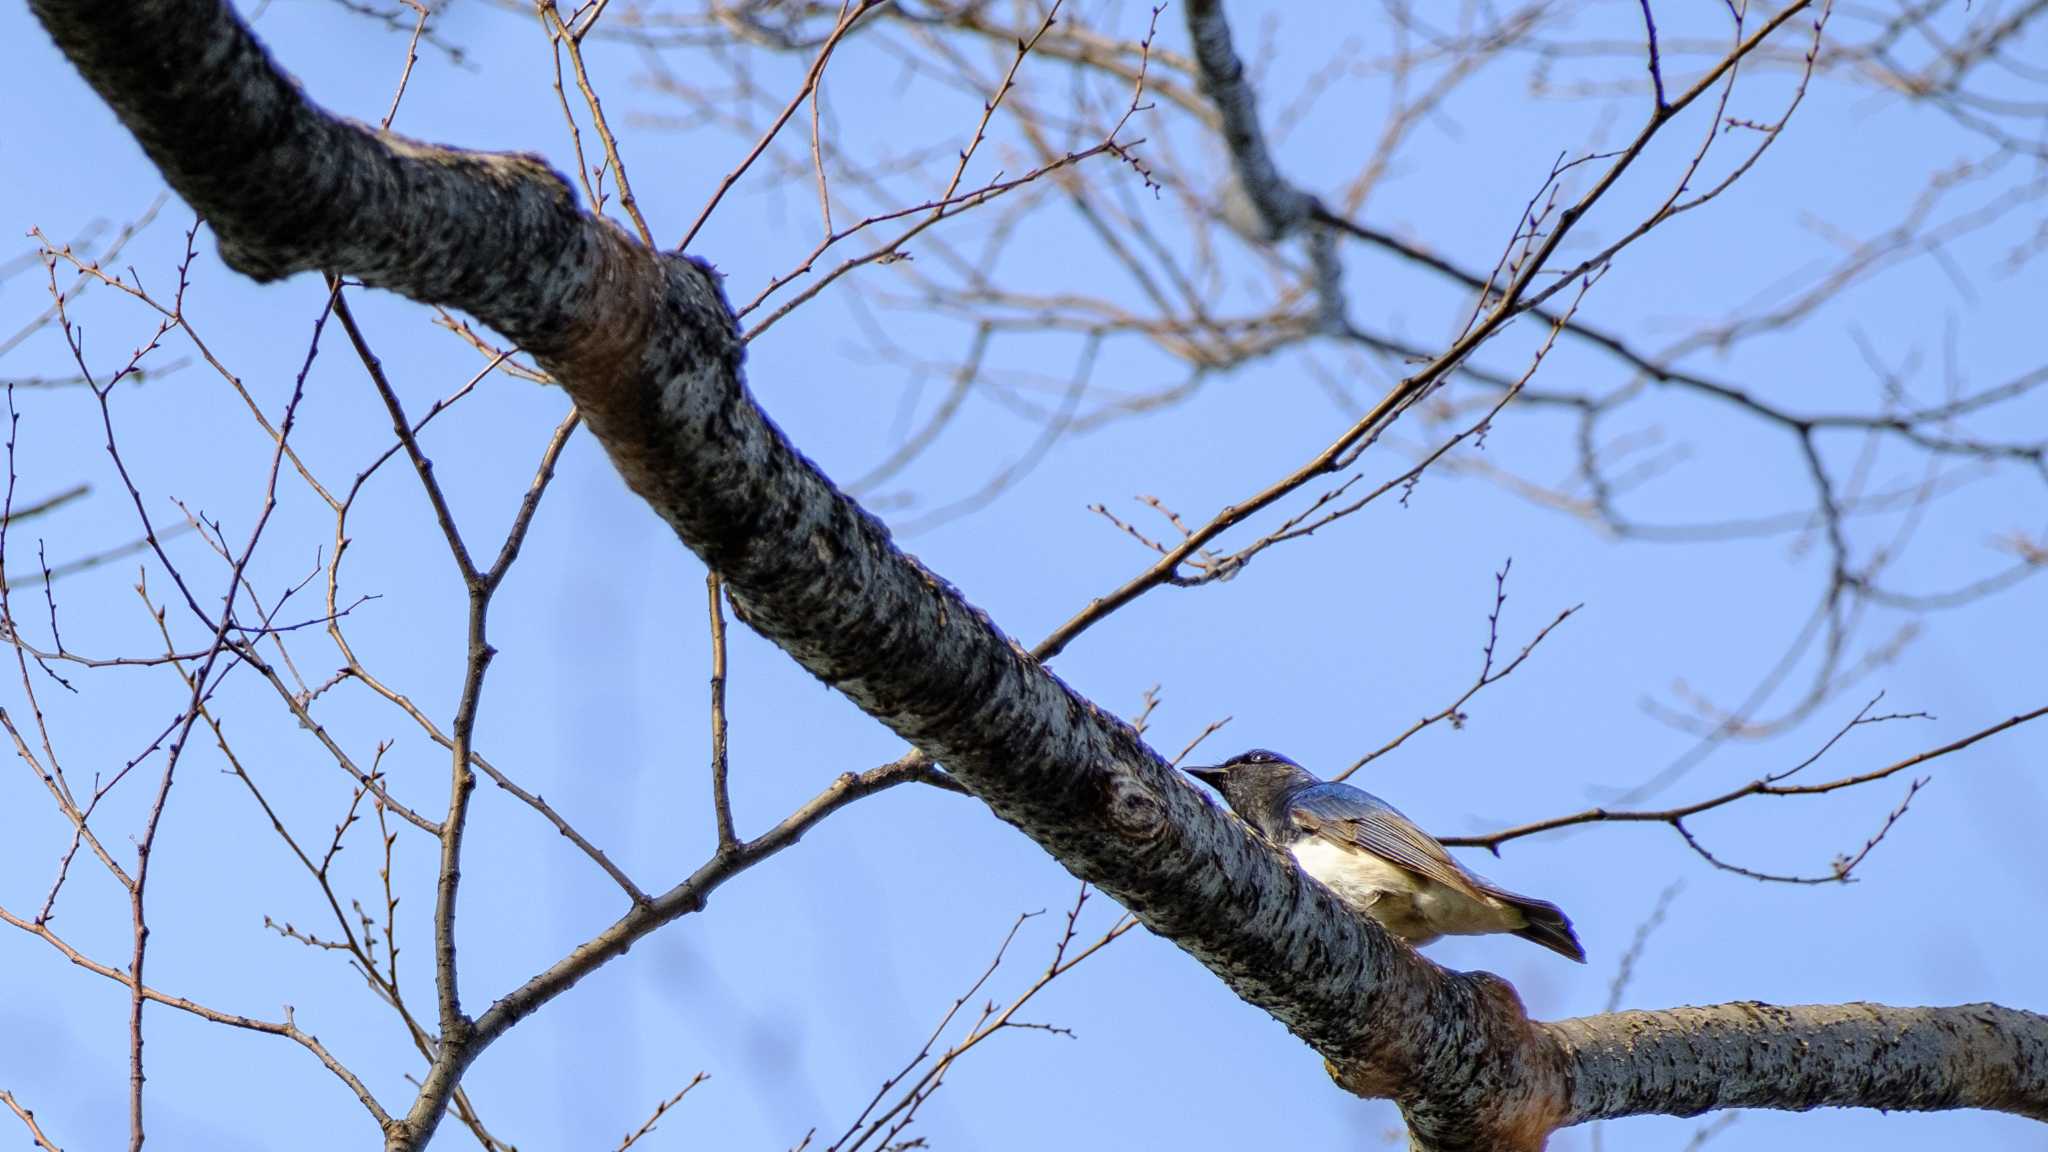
x,y
1381,831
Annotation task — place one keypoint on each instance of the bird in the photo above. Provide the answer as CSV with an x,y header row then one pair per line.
x,y
1376,860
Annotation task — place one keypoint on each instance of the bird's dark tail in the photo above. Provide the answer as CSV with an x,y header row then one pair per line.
x,y
1547,926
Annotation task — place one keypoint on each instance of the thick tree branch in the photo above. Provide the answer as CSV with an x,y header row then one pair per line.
x,y
1685,1061
647,347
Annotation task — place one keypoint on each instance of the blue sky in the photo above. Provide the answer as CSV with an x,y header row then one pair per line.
x,y
811,978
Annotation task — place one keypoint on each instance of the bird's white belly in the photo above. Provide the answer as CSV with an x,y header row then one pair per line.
x,y
1359,877
1410,906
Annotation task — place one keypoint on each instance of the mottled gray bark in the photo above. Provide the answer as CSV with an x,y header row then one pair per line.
x,y
1685,1061
647,347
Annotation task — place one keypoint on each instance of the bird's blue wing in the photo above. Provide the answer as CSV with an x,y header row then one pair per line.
x,y
1350,816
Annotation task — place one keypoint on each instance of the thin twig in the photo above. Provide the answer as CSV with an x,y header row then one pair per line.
x,y
847,20
1769,785
660,1110
721,796
28,1118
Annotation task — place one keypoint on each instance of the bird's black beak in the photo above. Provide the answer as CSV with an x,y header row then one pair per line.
x,y
1213,775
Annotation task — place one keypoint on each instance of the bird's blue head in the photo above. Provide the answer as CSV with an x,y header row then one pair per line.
x,y
1255,782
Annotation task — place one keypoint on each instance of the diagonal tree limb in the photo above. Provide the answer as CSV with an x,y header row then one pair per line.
x,y
646,346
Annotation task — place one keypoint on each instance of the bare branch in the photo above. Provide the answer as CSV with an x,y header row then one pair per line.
x,y
721,797
1455,710
660,1110
288,1028
28,1119
1773,784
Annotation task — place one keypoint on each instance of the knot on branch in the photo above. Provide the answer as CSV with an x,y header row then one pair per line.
x,y
648,349
1461,1057
1136,811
